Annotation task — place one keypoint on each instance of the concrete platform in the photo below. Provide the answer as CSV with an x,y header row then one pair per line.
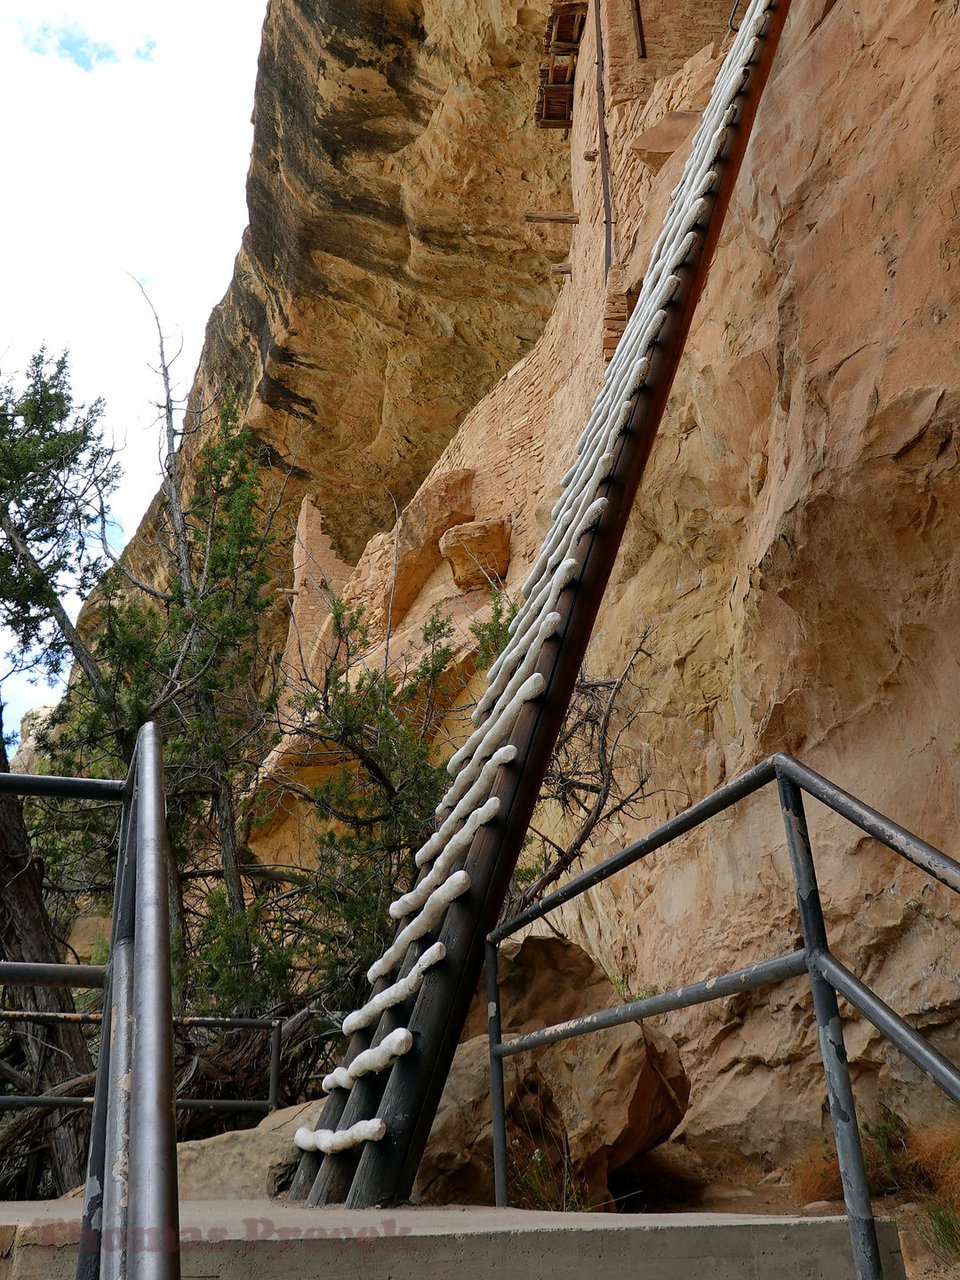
x,y
270,1240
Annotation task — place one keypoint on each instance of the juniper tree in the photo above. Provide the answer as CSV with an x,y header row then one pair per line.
x,y
55,475
179,649
182,651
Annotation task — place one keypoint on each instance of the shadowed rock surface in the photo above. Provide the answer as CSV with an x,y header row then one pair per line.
x,y
577,1111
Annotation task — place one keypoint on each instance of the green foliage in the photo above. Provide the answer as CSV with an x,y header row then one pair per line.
x,y
492,635
942,1229
531,865
164,658
893,1165
237,961
55,475
184,654
626,992
373,728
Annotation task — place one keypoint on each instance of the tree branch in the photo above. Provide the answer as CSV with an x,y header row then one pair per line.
x,y
87,662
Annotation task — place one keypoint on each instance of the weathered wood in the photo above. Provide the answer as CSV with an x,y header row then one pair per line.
x,y
551,217
638,29
610,249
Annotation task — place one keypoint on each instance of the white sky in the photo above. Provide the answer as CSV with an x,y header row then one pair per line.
x,y
124,149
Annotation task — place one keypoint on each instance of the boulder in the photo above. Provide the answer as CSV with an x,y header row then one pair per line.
x,y
577,1111
247,1164
477,552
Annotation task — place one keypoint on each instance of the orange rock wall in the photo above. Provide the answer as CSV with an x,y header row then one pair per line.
x,y
795,545
794,551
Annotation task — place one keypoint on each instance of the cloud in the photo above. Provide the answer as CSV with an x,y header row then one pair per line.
x,y
70,42
149,154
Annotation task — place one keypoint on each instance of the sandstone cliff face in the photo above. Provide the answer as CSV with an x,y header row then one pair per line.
x,y
387,277
795,548
795,545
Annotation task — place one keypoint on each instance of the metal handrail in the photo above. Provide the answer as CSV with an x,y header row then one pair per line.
x,y
255,1106
828,977
18,973
130,1224
130,1203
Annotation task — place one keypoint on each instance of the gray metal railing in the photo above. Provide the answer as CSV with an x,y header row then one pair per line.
x,y
130,1223
828,977
255,1106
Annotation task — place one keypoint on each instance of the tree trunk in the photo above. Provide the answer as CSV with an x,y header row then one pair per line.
x,y
227,831
56,1053
21,1131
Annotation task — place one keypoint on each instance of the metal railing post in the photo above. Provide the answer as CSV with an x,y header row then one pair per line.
x,y
274,1090
153,1244
828,977
130,1221
91,1222
500,1187
843,1116
118,1011
105,1197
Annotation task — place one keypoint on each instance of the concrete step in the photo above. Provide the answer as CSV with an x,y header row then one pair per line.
x,y
270,1240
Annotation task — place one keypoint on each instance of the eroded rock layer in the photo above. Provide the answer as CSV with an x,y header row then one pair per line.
x,y
793,548
793,554
387,277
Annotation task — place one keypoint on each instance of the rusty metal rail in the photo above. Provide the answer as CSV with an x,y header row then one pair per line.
x,y
827,976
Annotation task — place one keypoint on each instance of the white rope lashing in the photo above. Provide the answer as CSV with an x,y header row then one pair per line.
x,y
513,680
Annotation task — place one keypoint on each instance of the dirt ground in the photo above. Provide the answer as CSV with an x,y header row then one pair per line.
x,y
674,1178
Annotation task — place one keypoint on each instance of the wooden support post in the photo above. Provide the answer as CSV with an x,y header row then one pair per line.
x,y
638,29
551,217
